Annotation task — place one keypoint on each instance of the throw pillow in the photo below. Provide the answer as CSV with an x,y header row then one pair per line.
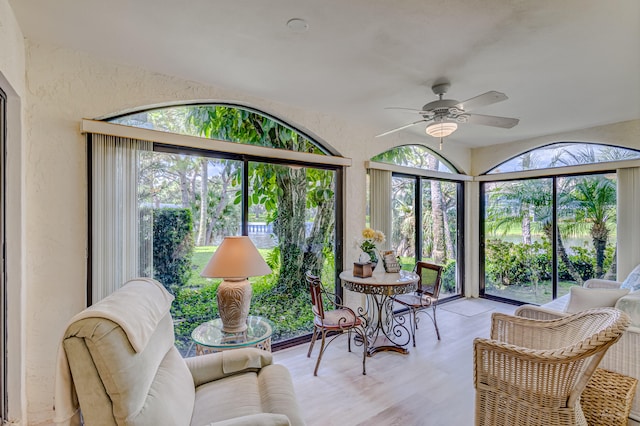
x,y
582,298
632,282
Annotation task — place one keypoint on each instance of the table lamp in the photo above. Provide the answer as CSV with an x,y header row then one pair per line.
x,y
235,260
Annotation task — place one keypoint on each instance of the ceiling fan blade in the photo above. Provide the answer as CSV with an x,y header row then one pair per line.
x,y
492,120
482,100
400,128
419,111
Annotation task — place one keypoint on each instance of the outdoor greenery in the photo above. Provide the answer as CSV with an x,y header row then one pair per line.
x,y
172,247
295,204
196,200
439,223
519,228
196,303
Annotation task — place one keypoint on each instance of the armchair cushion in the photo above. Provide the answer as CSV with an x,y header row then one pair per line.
x,y
245,394
632,282
582,298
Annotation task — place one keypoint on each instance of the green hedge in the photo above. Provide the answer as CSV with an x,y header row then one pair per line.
x,y
172,247
510,263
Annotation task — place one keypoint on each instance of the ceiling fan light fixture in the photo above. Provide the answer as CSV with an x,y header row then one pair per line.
x,y
441,130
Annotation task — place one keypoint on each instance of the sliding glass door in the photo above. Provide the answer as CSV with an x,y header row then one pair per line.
x,y
188,201
428,230
542,236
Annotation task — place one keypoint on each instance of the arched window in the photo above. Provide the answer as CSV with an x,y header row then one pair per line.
x,y
564,154
161,204
415,156
547,230
223,122
426,208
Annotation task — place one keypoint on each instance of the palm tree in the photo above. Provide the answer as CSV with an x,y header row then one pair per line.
x,y
593,199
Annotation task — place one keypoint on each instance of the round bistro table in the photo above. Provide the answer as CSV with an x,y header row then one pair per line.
x,y
384,331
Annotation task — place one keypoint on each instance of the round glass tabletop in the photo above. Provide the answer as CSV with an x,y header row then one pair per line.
x,y
210,334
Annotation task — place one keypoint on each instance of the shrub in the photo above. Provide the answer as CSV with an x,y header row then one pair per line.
x,y
172,247
449,277
191,308
516,264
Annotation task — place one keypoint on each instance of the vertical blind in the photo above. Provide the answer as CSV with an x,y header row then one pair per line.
x,y
628,235
380,199
117,252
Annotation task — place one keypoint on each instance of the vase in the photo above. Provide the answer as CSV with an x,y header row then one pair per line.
x,y
365,257
373,256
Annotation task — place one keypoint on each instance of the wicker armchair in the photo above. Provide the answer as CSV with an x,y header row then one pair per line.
x,y
533,372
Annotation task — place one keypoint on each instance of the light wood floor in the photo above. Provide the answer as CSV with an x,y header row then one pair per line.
x,y
432,385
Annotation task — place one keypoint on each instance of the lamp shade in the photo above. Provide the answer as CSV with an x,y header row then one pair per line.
x,y
236,258
441,129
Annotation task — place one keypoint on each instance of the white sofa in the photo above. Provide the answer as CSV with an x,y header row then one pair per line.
x,y
624,356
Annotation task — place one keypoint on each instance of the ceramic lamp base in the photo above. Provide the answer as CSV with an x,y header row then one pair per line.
x,y
234,299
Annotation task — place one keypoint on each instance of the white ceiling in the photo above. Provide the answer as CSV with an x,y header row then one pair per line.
x,y
565,64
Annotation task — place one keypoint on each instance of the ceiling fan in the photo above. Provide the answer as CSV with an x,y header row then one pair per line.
x,y
446,114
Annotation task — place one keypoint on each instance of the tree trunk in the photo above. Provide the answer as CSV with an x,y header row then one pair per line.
x,y
599,234
564,257
225,178
204,202
447,238
289,227
184,189
439,248
526,223
320,236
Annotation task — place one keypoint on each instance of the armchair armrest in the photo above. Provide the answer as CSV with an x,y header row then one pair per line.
x,y
630,304
598,283
210,367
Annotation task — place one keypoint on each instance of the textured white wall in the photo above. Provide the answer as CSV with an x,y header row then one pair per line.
x,y
12,82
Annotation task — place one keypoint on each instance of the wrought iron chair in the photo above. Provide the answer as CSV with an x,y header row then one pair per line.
x,y
532,372
425,296
335,321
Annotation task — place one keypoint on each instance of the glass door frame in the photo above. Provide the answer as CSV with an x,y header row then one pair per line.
x,y
246,159
460,258
554,251
3,262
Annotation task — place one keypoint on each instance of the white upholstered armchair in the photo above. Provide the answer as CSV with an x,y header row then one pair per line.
x,y
118,365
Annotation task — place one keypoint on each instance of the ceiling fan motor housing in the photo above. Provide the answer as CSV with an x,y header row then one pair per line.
x,y
442,106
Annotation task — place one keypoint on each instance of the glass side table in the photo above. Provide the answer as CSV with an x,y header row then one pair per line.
x,y
209,336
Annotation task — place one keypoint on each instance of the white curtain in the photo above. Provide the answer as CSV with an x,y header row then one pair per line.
x,y
380,203
628,196
119,249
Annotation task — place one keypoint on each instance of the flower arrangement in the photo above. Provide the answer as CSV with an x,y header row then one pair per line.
x,y
368,244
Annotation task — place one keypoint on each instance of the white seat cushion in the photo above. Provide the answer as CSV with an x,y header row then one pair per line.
x,y
581,298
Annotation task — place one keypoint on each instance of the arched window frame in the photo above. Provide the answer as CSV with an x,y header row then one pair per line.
x,y
164,141
419,176
627,196
565,168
